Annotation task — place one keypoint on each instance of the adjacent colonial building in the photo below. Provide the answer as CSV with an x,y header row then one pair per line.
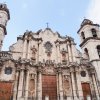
x,y
44,65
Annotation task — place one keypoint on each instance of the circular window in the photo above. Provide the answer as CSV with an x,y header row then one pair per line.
x,y
83,73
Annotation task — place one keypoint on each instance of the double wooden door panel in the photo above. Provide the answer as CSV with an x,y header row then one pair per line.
x,y
86,90
49,87
6,90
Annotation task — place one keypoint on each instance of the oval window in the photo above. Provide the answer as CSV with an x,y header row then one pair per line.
x,y
83,73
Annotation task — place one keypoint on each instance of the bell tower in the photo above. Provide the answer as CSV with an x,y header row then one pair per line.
x,y
4,17
90,43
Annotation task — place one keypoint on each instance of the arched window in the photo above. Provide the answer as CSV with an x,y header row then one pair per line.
x,y
83,36
98,49
86,53
94,33
8,70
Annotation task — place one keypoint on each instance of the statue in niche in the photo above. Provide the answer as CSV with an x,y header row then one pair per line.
x,y
64,53
31,88
66,86
34,50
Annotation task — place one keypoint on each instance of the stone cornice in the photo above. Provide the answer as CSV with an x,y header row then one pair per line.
x,y
5,9
60,42
11,81
73,64
5,55
95,60
87,40
87,22
68,39
24,62
29,35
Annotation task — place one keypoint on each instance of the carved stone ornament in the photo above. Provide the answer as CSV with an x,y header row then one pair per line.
x,y
49,70
34,50
66,86
63,51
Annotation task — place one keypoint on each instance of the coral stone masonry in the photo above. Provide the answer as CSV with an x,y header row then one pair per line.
x,y
44,65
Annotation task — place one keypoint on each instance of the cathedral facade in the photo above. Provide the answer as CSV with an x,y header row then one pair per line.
x,y
44,65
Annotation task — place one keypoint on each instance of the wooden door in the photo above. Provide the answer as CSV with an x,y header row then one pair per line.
x,y
86,90
5,90
49,87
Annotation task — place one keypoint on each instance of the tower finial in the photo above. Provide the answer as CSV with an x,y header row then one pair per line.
x,y
47,25
84,17
5,2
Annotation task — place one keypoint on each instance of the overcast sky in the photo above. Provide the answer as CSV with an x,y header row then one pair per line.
x,y
64,16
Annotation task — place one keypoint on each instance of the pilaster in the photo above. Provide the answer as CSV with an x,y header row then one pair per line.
x,y
39,85
95,87
40,51
69,52
74,52
58,53
60,84
73,84
29,47
25,48
15,91
20,87
80,92
27,85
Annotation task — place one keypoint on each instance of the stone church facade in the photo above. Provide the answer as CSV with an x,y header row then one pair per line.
x,y
44,65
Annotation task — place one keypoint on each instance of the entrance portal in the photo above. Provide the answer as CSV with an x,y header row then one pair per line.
x,y
86,91
6,90
49,87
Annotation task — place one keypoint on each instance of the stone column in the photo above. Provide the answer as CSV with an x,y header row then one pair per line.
x,y
95,87
24,48
27,84
80,91
35,78
15,86
39,87
74,52
57,87
73,85
20,87
29,47
60,84
69,52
